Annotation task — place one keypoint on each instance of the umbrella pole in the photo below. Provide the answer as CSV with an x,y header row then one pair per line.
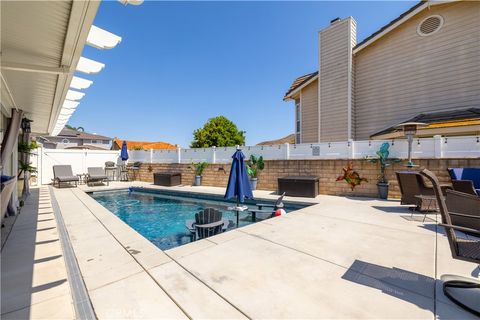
x,y
238,204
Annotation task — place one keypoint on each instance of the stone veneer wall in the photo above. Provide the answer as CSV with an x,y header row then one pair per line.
x,y
326,170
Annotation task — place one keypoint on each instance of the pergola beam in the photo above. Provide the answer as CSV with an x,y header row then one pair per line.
x,y
34,68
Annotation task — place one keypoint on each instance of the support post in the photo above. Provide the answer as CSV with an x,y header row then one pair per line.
x,y
438,146
179,155
351,148
214,154
287,151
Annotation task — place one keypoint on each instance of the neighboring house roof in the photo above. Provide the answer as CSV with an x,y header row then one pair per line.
x,y
85,146
146,145
299,83
459,117
288,139
69,134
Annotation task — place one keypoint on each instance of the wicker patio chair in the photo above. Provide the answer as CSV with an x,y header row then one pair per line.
x,y
465,186
96,174
464,249
134,169
64,174
462,207
411,186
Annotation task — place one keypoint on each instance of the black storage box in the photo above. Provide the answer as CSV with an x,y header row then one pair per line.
x,y
303,186
169,179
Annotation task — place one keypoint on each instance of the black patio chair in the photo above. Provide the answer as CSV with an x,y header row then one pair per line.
x,y
208,223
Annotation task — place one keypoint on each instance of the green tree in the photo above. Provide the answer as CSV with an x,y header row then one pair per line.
x,y
74,128
218,132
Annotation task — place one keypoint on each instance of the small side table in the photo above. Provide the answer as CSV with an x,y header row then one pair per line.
x,y
82,178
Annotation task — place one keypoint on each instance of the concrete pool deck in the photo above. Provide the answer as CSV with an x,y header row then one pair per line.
x,y
341,258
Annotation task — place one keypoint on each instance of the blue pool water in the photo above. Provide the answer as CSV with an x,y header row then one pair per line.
x,y
161,218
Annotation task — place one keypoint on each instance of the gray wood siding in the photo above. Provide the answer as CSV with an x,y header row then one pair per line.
x,y
309,108
403,74
334,56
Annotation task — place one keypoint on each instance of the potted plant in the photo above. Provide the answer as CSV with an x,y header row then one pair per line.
x,y
382,183
254,166
198,167
26,149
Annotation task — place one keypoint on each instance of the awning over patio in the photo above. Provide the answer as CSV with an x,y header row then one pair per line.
x,y
41,47
460,121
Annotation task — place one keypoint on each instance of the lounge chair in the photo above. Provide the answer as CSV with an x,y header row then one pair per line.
x,y
207,223
266,210
461,248
412,186
96,174
64,174
466,174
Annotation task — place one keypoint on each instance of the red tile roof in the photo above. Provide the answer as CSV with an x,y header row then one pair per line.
x,y
146,145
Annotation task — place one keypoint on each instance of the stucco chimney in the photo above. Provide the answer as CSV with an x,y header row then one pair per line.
x,y
335,65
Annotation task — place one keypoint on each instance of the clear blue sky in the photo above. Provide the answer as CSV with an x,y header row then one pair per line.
x,y
181,63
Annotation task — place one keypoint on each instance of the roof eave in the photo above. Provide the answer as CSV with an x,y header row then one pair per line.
x,y
416,9
291,95
81,19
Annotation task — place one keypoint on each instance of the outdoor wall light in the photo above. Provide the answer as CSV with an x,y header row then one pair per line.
x,y
409,130
26,128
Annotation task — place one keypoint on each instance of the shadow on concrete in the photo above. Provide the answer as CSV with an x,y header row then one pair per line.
x,y
18,260
408,286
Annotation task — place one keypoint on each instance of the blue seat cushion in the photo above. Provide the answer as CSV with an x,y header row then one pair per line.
x,y
472,174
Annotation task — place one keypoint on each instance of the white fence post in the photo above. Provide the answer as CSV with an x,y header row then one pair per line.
x,y
151,155
179,155
214,154
351,149
287,151
438,146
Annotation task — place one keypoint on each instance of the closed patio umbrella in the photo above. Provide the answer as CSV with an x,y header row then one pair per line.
x,y
124,152
124,157
238,185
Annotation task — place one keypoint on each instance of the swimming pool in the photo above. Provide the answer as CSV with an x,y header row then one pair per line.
x,y
160,216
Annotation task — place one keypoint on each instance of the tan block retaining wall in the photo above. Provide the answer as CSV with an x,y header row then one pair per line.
x,y
326,170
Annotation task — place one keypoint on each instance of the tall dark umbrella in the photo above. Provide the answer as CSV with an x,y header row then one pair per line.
x,y
124,152
238,185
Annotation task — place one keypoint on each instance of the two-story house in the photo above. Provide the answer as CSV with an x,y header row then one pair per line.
x,y
73,139
423,66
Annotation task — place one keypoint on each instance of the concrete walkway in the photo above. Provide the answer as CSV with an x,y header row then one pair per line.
x,y
341,258
34,277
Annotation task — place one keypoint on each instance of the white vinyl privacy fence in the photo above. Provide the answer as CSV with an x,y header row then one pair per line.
x,y
426,148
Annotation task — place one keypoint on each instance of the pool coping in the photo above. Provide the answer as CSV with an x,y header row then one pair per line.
x,y
192,302
81,300
150,258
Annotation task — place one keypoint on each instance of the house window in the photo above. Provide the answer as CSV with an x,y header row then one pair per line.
x,y
105,141
298,125
94,141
